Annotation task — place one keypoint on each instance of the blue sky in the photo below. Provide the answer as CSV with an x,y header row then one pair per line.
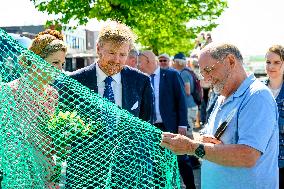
x,y
252,25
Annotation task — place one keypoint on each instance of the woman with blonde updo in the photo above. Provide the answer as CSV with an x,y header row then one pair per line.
x,y
35,102
49,45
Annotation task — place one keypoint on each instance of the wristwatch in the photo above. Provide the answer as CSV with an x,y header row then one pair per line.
x,y
199,151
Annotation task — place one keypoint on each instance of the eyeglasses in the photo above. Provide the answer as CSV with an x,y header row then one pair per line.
x,y
163,60
208,69
140,55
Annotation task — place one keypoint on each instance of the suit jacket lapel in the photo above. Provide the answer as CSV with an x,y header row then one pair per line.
x,y
125,84
93,78
161,86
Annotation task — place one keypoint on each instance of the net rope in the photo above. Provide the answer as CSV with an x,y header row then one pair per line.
x,y
56,133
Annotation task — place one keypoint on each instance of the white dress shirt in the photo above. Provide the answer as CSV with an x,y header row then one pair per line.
x,y
116,85
157,95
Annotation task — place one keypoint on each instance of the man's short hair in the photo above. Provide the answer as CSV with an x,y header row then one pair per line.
x,y
218,52
117,33
133,53
165,55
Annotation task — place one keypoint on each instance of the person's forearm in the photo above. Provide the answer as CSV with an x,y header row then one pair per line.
x,y
187,89
234,155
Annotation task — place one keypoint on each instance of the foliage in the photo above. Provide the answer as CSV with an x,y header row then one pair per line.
x,y
160,24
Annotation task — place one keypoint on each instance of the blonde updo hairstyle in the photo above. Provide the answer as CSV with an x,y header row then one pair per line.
x,y
48,42
44,44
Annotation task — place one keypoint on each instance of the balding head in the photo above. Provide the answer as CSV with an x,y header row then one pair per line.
x,y
150,55
221,65
148,62
220,50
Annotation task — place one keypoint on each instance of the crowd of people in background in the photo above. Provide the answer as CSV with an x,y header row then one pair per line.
x,y
176,83
198,114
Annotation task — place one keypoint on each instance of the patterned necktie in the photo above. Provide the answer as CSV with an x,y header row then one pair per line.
x,y
154,117
108,92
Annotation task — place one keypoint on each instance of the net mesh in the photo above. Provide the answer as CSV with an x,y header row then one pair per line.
x,y
56,133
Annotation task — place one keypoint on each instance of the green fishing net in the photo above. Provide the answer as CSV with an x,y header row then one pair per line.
x,y
56,133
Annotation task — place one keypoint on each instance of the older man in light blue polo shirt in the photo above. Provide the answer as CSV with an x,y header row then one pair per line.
x,y
240,145
253,124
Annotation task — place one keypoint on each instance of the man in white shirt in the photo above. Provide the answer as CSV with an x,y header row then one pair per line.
x,y
170,112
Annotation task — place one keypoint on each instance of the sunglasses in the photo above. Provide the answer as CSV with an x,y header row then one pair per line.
x,y
163,60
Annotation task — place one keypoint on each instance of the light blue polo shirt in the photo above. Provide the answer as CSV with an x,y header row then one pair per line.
x,y
254,124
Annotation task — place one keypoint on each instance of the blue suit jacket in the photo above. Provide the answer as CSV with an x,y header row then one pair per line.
x,y
172,102
136,87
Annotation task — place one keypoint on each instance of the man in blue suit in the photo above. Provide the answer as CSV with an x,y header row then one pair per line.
x,y
128,88
170,112
170,106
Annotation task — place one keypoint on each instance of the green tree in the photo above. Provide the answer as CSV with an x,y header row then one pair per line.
x,y
159,24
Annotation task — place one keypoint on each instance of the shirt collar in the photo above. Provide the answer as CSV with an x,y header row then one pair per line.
x,y
157,71
101,75
245,84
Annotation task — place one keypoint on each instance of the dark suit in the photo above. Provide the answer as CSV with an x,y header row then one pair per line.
x,y
172,103
82,164
135,87
173,110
